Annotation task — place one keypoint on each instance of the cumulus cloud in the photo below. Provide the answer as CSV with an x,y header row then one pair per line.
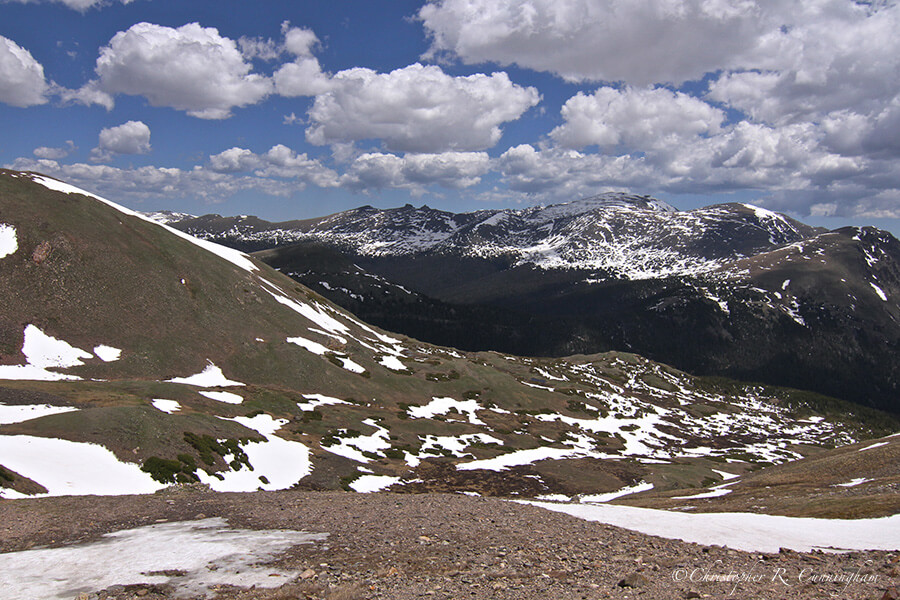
x,y
634,119
191,68
417,109
80,5
415,172
636,41
132,137
55,153
22,80
278,162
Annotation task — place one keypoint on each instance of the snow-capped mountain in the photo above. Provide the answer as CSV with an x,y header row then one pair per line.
x,y
731,289
619,236
133,356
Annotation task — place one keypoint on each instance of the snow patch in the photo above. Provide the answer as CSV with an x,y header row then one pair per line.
x,y
744,531
314,347
372,483
107,353
207,550
44,352
211,376
167,406
853,482
442,406
68,468
227,397
318,400
879,291
19,413
8,242
643,486
878,445
391,362
281,462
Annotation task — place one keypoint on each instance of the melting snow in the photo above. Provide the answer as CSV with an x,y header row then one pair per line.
x,y
442,406
208,551
211,376
167,406
879,291
318,400
8,242
853,482
350,365
745,531
643,486
44,352
25,412
227,397
712,494
281,462
878,445
391,362
353,447
107,353
314,347
372,483
73,468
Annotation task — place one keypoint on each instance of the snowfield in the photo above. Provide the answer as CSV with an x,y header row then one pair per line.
x,y
744,531
8,242
68,468
206,550
211,376
282,463
43,352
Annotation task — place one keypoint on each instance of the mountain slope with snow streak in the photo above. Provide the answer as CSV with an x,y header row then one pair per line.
x,y
183,362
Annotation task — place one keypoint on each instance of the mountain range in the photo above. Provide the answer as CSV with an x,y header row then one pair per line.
x,y
134,356
731,290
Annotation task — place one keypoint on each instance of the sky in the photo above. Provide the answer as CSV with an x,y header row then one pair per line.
x,y
293,109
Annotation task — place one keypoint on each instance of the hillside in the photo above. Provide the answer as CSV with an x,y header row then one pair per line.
x,y
732,290
130,348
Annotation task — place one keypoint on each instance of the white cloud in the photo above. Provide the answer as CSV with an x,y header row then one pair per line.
x,y
637,41
190,68
417,109
132,137
152,182
634,119
22,80
415,172
278,162
80,5
55,153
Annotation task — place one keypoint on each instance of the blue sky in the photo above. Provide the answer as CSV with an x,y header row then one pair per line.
x,y
292,109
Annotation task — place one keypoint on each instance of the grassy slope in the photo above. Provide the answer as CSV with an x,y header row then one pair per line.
x,y
171,306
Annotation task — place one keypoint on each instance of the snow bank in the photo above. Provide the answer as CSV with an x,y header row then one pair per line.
x,y
281,462
392,363
73,468
44,352
372,483
211,376
642,486
227,397
167,406
107,353
8,242
26,412
314,347
744,531
207,551
316,400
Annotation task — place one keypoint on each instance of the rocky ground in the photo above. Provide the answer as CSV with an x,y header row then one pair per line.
x,y
399,546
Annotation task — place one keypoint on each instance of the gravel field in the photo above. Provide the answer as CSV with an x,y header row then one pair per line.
x,y
399,546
